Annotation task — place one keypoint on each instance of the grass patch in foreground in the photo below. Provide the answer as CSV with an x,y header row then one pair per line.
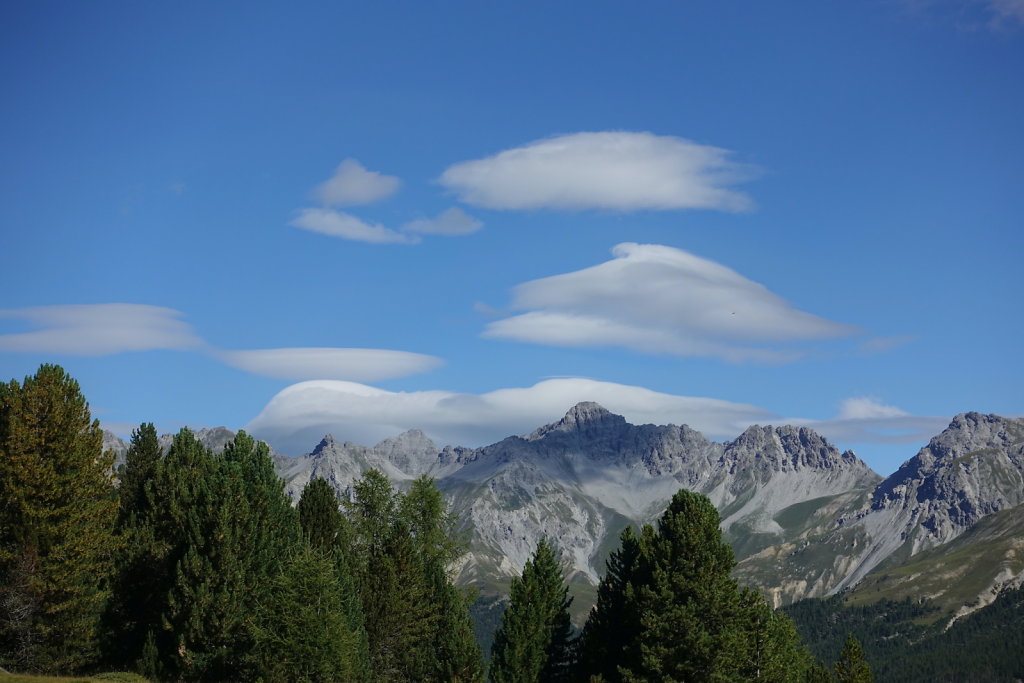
x,y
117,677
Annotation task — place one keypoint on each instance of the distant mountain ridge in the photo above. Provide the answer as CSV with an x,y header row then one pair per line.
x,y
805,519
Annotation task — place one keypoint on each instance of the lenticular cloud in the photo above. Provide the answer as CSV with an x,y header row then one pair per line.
x,y
622,171
298,416
657,299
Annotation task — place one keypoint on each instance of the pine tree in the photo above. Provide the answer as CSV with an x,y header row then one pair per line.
x,y
135,585
57,512
685,596
224,527
852,666
611,627
320,515
137,472
533,642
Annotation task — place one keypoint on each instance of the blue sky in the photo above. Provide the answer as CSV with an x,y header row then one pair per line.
x,y
368,217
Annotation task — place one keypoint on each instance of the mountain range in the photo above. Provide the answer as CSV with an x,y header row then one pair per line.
x,y
804,519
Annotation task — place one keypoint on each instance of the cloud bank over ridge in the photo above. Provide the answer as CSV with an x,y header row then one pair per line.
x,y
295,419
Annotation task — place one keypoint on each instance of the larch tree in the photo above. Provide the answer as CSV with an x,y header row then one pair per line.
x,y
534,641
852,666
57,513
453,651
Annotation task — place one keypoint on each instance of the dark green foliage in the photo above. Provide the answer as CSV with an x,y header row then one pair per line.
x,y
457,655
884,628
57,513
986,646
135,585
398,549
533,641
601,648
137,472
223,525
684,595
668,609
300,630
851,666
766,645
320,515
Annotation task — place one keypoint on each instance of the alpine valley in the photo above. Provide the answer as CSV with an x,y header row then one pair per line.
x,y
804,519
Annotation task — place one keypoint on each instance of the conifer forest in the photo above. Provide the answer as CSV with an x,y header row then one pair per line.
x,y
195,566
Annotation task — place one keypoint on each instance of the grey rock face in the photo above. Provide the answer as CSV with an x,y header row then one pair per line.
x,y
581,479
973,469
805,519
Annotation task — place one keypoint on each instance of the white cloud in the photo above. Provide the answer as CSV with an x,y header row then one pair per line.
x,y
99,329
622,171
865,408
346,226
297,417
658,299
453,221
102,329
361,365
352,185
867,420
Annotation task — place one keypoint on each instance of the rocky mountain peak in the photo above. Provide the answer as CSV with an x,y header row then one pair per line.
x,y
326,444
793,448
413,440
588,415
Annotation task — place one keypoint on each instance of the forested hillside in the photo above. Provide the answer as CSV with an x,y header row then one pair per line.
x,y
908,641
196,566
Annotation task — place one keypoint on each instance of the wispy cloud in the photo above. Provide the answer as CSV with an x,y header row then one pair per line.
x,y
658,299
105,329
1006,12
453,221
99,329
297,417
622,171
861,420
361,365
353,185
876,345
347,226
973,15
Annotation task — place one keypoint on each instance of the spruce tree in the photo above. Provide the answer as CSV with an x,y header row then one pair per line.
x,y
685,596
610,627
136,473
320,515
224,526
533,642
135,586
57,512
852,666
